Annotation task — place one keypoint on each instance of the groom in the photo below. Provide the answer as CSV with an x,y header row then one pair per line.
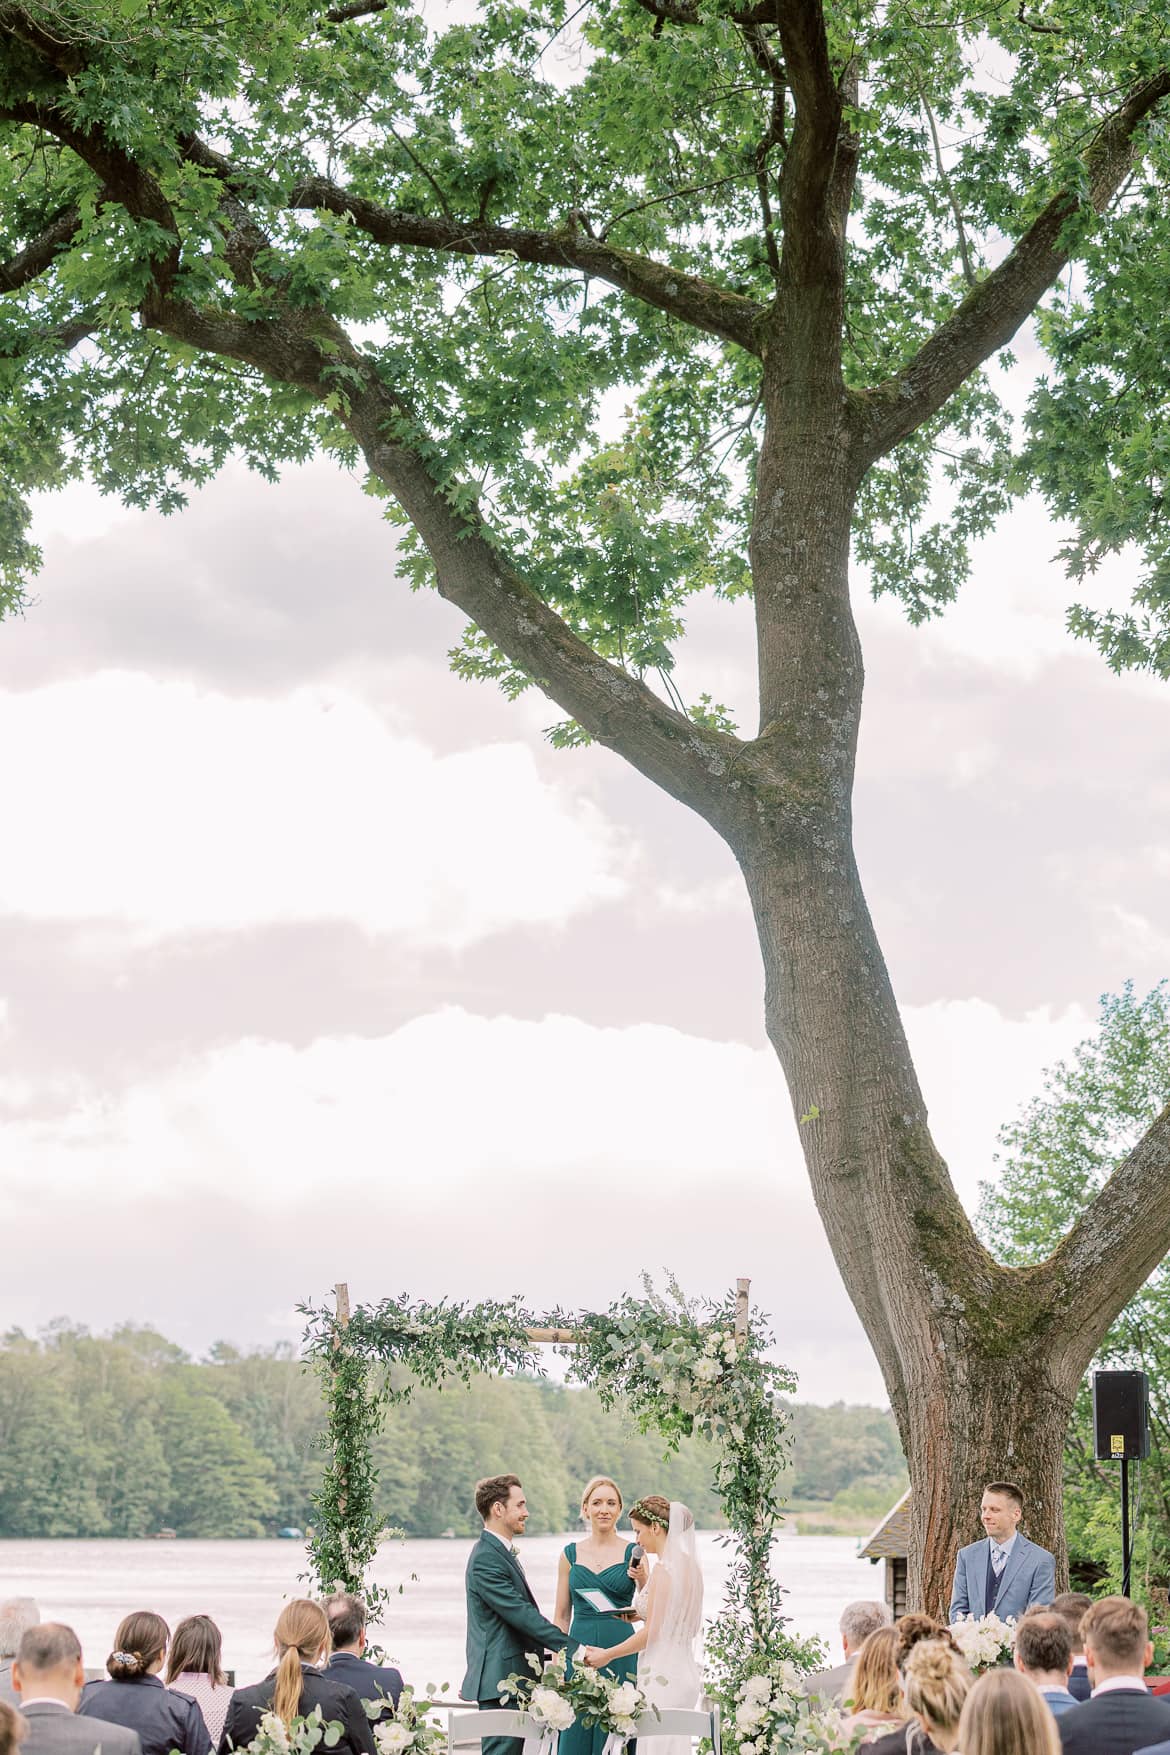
x,y
503,1621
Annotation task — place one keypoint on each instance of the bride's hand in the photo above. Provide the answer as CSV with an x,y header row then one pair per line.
x,y
592,1655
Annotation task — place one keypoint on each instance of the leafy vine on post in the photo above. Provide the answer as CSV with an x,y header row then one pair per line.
x,y
423,1343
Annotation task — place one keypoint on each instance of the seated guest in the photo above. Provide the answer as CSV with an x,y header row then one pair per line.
x,y
876,1688
858,1621
937,1685
1122,1715
935,1681
49,1675
135,1696
16,1613
296,1686
13,1729
1071,1606
1004,1715
194,1668
348,1663
1043,1656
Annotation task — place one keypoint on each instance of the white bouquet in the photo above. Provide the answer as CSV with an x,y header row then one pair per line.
x,y
984,1642
410,1731
774,1716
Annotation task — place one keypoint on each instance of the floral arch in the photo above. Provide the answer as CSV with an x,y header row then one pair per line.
x,y
677,1365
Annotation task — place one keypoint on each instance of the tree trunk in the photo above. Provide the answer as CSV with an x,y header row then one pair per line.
x,y
972,1354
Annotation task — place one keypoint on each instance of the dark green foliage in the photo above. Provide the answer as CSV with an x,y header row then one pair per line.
x,y
1055,1157
83,1443
609,447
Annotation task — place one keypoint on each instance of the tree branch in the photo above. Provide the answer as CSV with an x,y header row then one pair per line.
x,y
31,262
699,302
810,159
691,762
991,314
1118,1241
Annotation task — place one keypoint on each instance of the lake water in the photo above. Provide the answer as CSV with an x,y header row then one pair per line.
x,y
91,1585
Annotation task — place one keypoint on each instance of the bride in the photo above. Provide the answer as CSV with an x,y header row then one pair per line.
x,y
672,1604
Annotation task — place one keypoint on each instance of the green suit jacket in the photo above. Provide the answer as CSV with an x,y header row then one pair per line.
x,y
503,1621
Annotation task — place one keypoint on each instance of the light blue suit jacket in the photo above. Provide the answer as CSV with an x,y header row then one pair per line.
x,y
1029,1577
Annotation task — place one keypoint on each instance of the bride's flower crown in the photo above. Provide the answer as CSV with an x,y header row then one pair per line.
x,y
642,1512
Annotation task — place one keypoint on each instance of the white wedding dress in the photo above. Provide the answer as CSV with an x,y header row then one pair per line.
x,y
668,1665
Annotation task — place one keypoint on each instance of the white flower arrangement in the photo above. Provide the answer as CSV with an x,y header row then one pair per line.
x,y
300,1737
774,1716
410,1731
555,1698
984,1642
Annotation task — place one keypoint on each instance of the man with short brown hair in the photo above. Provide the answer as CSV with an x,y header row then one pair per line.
x,y
503,1622
1006,1572
1044,1655
377,1686
1123,1715
1072,1606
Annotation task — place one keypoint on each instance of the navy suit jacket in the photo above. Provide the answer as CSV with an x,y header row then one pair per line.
x,y
1115,1723
368,1681
1155,1749
1029,1577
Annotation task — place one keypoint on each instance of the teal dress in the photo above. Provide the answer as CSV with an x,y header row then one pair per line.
x,y
590,1628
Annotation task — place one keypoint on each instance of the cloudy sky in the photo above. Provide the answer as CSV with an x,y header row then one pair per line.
x,y
318,964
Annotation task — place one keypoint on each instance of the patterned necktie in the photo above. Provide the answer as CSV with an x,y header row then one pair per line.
x,y
998,1559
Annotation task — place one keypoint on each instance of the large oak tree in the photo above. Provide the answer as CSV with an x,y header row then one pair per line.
x,y
792,237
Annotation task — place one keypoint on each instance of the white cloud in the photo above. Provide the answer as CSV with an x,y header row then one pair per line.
x,y
166,809
480,1157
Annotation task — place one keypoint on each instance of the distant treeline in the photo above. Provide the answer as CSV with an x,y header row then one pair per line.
x,y
125,1434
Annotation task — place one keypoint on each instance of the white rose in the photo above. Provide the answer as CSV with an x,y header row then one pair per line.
x,y
551,1709
730,1349
274,1728
392,1738
707,1370
757,1688
624,1700
750,1715
747,1749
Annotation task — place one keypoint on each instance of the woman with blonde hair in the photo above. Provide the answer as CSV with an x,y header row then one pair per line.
x,y
1005,1715
296,1686
875,1692
937,1683
597,1567
135,1696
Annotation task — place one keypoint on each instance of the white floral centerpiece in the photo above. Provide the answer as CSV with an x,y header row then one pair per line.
x,y
298,1738
555,1698
774,1716
410,1731
985,1641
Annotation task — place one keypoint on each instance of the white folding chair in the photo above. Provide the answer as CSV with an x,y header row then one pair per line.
x,y
472,1726
672,1721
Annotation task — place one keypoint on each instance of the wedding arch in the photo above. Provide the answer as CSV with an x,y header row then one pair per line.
x,y
677,1365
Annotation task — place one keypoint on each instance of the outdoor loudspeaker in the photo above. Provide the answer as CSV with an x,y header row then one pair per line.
x,y
1121,1420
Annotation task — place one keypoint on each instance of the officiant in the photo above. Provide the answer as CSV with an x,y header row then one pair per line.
x,y
595,1591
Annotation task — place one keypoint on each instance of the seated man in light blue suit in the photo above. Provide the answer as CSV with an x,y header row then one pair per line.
x,y
1005,1572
